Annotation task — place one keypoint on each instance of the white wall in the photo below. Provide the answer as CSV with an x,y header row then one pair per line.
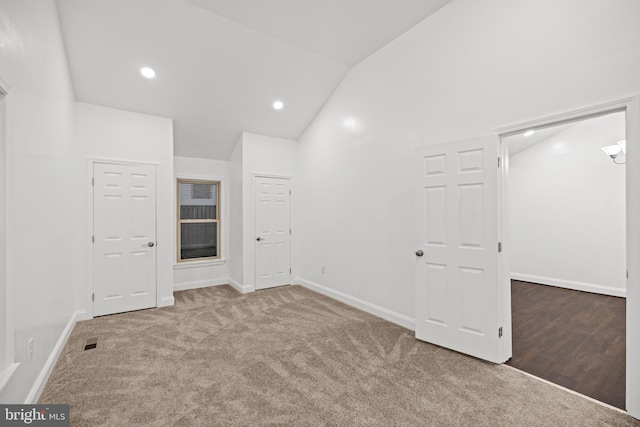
x,y
468,69
44,175
235,216
261,155
110,134
199,274
567,209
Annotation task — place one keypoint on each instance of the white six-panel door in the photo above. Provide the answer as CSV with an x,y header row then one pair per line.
x,y
124,224
273,232
458,292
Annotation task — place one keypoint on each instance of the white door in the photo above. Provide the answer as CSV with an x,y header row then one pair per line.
x,y
124,226
273,232
458,293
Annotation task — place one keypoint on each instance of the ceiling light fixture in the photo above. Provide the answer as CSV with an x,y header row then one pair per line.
x,y
623,145
278,105
614,150
147,72
529,133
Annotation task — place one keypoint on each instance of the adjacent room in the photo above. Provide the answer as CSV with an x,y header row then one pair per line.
x,y
311,212
567,211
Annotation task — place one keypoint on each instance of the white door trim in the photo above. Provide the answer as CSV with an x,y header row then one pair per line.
x,y
9,368
88,312
566,117
252,226
631,107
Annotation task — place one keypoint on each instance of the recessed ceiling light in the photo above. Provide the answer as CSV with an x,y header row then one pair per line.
x,y
147,72
529,133
278,105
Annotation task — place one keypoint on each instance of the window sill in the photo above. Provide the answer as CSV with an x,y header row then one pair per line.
x,y
196,264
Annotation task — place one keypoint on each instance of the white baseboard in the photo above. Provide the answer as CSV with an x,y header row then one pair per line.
x,y
391,316
167,301
243,289
569,284
5,376
200,284
43,377
82,315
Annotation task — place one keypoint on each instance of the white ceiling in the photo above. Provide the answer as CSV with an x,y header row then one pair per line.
x,y
346,31
220,64
519,142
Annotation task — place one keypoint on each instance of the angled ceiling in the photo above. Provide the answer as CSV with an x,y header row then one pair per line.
x,y
519,142
346,31
221,64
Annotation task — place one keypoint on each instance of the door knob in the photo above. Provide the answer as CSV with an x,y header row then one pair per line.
x,y
151,244
419,252
258,238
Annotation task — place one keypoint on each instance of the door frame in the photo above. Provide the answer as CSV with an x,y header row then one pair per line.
x,y
7,324
289,178
88,298
631,107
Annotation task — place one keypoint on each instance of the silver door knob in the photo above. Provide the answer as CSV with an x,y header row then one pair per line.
x,y
151,244
258,238
419,252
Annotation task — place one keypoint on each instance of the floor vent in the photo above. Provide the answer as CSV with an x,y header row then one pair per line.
x,y
91,343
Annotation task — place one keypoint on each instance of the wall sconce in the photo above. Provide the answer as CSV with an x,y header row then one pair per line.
x,y
614,150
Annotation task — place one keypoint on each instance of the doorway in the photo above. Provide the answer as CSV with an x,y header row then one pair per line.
x,y
567,237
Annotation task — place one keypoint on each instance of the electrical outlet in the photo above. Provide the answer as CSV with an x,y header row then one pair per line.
x,y
30,349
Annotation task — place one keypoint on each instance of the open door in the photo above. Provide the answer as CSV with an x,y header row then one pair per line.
x,y
458,288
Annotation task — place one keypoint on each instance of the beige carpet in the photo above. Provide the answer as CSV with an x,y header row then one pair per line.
x,y
289,356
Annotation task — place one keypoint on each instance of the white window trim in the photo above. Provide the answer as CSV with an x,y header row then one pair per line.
x,y
199,263
222,197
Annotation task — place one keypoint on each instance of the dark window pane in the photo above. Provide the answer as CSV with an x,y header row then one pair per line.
x,y
198,240
198,200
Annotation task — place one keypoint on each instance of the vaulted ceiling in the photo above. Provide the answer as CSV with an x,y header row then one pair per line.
x,y
220,64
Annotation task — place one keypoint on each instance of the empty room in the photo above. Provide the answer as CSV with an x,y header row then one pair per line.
x,y
307,212
562,189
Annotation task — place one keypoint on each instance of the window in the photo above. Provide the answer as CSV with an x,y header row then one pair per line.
x,y
198,220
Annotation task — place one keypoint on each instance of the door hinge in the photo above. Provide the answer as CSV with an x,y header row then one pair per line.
x,y
500,332
93,239
499,246
93,297
499,159
289,192
289,271
289,231
92,181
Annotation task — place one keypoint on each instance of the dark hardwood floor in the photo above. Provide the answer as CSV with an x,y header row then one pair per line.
x,y
571,338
